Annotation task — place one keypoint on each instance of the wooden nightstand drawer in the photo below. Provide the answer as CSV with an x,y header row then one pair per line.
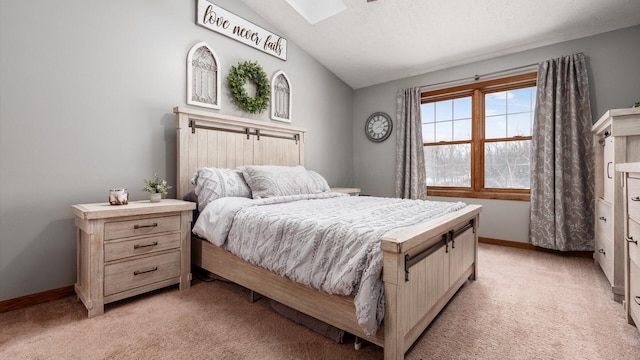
x,y
634,197
135,273
120,249
146,226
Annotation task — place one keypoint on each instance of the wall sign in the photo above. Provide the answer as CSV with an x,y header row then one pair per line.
x,y
228,24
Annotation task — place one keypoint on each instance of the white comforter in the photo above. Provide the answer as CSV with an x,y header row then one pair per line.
x,y
327,241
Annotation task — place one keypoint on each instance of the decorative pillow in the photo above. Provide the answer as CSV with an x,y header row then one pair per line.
x,y
320,183
191,196
269,181
215,183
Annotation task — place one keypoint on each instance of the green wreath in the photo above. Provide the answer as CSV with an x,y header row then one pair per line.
x,y
239,75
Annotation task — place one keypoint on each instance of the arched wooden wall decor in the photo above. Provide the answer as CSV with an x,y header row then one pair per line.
x,y
203,77
281,97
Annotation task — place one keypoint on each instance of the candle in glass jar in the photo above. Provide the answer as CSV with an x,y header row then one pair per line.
x,y
118,197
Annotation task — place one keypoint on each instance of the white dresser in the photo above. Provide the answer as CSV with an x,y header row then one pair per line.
x,y
616,137
631,178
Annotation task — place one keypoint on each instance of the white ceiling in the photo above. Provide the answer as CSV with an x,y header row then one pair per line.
x,y
373,42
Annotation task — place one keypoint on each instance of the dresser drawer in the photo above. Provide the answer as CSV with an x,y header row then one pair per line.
x,y
120,249
634,248
633,192
608,172
634,292
135,273
146,226
604,220
604,255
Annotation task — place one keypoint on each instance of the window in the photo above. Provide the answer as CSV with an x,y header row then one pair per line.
x,y
477,138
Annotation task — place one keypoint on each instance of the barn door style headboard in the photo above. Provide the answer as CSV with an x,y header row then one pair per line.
x,y
208,139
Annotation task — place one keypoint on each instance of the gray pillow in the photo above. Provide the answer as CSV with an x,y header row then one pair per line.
x,y
191,196
215,183
269,181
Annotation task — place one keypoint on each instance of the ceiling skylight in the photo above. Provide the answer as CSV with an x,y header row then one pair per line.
x,y
315,11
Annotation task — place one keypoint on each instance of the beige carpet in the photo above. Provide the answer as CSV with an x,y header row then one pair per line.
x,y
524,305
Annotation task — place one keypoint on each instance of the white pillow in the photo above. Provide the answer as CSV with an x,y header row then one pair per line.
x,y
269,181
215,183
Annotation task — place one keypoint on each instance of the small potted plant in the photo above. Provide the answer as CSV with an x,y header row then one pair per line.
x,y
156,187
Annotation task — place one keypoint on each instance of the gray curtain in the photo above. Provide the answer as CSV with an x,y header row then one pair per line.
x,y
562,164
410,172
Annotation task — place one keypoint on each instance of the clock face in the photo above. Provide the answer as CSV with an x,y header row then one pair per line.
x,y
378,127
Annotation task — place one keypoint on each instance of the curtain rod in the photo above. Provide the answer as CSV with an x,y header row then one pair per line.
x,y
478,77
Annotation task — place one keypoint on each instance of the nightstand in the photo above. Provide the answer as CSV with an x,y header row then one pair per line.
x,y
350,191
126,250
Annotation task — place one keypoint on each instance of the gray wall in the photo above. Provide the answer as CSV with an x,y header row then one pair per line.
x,y
614,64
86,101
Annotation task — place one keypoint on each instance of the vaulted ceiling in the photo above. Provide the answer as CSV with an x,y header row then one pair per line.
x,y
373,42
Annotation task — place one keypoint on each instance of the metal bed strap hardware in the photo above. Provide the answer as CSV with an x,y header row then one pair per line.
x,y
447,237
194,125
454,234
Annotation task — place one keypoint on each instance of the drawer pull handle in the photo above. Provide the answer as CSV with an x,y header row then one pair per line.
x,y
601,251
637,198
602,218
630,239
138,246
608,165
138,272
144,226
637,299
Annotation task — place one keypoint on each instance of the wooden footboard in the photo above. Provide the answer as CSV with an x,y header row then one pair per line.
x,y
424,266
417,286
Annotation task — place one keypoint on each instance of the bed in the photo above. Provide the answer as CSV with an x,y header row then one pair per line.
x,y
424,265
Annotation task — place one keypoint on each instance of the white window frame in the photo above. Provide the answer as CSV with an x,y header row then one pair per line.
x,y
477,91
190,90
276,97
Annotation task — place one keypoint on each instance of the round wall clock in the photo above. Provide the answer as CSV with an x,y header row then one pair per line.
x,y
378,127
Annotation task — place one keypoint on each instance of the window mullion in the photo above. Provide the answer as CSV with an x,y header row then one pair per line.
x,y
477,155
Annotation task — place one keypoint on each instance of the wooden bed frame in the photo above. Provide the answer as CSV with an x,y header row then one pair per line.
x,y
424,265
